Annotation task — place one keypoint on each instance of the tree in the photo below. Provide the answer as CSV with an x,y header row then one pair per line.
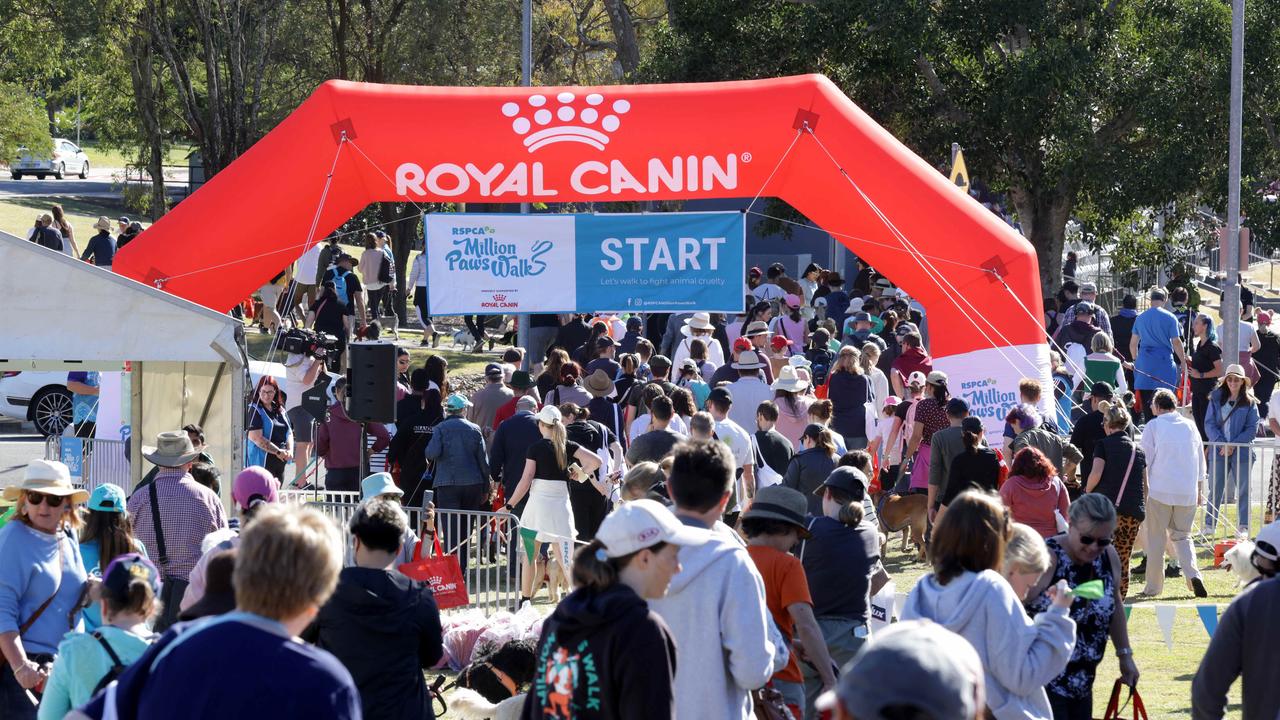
x,y
1115,105
22,123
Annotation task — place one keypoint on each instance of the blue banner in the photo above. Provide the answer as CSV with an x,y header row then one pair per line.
x,y
72,449
513,264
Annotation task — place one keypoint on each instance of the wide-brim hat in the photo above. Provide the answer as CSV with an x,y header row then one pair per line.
x,y
699,321
599,384
103,223
1235,369
48,477
748,360
379,484
172,449
778,502
788,380
755,328
522,380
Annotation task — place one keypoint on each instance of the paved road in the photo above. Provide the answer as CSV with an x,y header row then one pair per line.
x,y
99,184
16,449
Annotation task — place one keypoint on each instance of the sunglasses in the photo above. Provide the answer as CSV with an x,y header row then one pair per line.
x,y
35,498
1090,540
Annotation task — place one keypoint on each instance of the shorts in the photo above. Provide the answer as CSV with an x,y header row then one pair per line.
x,y
420,300
270,294
302,423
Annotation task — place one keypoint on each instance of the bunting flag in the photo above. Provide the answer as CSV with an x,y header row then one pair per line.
x,y
1209,617
1127,609
1164,618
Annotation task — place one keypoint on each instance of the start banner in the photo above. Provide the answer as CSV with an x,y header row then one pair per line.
x,y
514,264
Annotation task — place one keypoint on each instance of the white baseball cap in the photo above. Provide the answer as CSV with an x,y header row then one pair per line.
x,y
642,524
549,415
916,379
1269,534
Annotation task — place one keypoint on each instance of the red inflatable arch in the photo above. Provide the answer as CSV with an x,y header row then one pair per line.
x,y
798,138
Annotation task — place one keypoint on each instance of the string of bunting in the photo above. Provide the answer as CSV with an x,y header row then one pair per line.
x,y
1165,613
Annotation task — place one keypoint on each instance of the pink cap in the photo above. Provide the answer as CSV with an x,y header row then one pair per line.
x,y
792,300
254,480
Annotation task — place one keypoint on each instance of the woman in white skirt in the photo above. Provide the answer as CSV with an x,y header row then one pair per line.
x,y
550,465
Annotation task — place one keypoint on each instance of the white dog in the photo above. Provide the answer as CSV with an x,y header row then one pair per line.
x,y
1237,561
464,339
471,705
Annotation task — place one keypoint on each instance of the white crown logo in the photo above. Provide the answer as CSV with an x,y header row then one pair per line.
x,y
559,125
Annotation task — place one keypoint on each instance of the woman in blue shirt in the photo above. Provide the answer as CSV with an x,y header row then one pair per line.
x,y
41,577
270,436
1232,417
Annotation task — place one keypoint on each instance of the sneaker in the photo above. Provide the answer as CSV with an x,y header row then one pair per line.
x,y
1172,571
1197,586
426,340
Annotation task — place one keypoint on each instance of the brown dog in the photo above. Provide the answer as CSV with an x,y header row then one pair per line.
x,y
905,513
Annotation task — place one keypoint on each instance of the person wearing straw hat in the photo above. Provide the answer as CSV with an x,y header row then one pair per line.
x,y
603,408
699,326
748,390
172,515
550,465
603,650
101,247
461,470
793,404
41,576
1231,419
774,524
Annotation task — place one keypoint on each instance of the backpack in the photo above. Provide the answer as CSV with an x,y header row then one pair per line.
x,y
385,274
339,277
46,237
821,360
117,667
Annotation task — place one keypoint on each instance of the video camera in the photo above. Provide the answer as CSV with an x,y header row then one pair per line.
x,y
306,342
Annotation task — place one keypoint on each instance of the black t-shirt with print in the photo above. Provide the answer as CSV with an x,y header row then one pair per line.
x,y
543,454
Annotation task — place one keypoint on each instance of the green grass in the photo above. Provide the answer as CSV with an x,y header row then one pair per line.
x,y
1165,683
18,214
105,157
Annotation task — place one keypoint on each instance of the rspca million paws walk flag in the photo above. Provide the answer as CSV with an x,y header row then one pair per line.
x,y
657,262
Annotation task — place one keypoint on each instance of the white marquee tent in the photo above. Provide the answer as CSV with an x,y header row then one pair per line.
x,y
184,362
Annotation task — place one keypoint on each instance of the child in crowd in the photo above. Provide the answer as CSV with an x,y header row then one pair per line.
x,y
1025,559
887,457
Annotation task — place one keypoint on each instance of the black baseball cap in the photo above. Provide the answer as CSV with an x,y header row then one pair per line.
x,y
850,479
957,407
720,395
1102,391
971,424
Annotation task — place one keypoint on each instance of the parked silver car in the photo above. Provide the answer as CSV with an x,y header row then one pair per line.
x,y
66,158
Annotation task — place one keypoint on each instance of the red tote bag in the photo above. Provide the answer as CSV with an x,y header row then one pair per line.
x,y
1115,708
442,572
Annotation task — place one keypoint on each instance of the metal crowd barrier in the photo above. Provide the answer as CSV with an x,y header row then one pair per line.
x,y
487,544
1243,484
91,461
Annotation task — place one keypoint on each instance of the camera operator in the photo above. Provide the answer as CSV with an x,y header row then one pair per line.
x,y
301,372
328,315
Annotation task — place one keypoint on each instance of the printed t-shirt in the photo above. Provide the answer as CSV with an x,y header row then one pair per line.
x,y
543,455
784,585
84,408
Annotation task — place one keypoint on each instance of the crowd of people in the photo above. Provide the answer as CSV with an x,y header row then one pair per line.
x,y
711,491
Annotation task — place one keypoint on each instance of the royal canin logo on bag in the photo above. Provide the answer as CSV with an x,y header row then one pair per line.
x,y
592,120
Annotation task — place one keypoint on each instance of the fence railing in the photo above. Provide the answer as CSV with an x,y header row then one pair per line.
x,y
91,461
487,544
1242,479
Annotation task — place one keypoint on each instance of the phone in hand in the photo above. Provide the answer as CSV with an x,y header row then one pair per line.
x,y
428,497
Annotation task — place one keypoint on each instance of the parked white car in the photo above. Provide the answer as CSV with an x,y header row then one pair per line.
x,y
40,397
67,158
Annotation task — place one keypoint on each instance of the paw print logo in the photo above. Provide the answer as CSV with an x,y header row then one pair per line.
x,y
542,120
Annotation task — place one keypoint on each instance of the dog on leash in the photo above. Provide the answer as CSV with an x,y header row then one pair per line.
x,y
907,514
463,338
1237,560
